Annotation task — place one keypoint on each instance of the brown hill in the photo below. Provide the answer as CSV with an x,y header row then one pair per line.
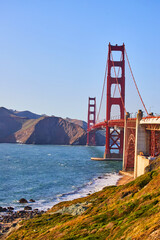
x,y
26,114
51,130
44,130
9,124
100,135
81,123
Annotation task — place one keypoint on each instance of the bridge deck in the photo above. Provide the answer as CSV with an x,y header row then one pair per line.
x,y
106,159
120,123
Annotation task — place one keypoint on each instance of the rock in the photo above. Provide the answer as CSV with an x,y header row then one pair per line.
x,y
74,209
3,209
10,208
21,213
35,210
23,200
14,224
27,208
6,229
31,200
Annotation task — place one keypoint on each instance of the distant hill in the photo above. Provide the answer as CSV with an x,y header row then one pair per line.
x,y
30,128
51,130
9,124
26,114
81,123
100,135
42,130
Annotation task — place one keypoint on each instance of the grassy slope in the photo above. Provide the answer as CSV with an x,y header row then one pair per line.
x,y
126,212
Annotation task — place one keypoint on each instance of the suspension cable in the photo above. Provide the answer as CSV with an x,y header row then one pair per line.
x,y
135,83
104,81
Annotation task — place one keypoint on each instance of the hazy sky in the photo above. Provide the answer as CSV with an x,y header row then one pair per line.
x,y
53,52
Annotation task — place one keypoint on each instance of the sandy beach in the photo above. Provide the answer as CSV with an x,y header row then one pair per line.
x,y
124,179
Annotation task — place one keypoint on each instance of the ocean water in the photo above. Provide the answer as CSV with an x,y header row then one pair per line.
x,y
50,174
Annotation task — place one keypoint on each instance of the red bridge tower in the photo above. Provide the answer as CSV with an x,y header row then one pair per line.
x,y
91,139
114,138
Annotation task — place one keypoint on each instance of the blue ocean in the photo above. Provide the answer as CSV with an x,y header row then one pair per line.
x,y
50,174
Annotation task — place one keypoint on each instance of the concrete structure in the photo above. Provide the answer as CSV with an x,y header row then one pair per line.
x,y
141,144
141,140
141,163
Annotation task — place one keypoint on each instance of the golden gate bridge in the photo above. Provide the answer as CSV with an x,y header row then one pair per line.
x,y
120,139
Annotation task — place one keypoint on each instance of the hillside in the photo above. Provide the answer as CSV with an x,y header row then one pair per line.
x,y
51,130
100,135
43,130
81,123
125,212
26,114
9,124
30,128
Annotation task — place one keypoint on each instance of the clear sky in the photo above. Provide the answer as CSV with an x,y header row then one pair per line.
x,y
53,52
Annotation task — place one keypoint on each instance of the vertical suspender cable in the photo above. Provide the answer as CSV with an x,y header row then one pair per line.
x,y
135,83
105,75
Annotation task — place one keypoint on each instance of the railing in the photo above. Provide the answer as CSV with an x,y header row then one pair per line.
x,y
99,121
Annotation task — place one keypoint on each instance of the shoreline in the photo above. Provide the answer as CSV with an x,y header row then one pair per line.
x,y
94,185
9,223
124,179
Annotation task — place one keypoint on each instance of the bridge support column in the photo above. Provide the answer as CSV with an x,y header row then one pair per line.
x,y
141,141
114,137
125,140
91,136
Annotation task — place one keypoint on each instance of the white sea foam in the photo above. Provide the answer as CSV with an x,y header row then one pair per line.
x,y
93,186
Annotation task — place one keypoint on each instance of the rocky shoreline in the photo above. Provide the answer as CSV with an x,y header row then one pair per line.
x,y
10,219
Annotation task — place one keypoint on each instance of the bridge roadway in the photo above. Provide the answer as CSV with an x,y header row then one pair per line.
x,y
119,123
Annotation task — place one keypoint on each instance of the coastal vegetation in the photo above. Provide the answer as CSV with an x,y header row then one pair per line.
x,y
126,212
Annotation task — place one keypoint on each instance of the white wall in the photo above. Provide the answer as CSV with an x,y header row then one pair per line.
x,y
142,162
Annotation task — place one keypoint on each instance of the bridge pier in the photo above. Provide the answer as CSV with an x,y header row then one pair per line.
x,y
137,144
124,139
141,142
